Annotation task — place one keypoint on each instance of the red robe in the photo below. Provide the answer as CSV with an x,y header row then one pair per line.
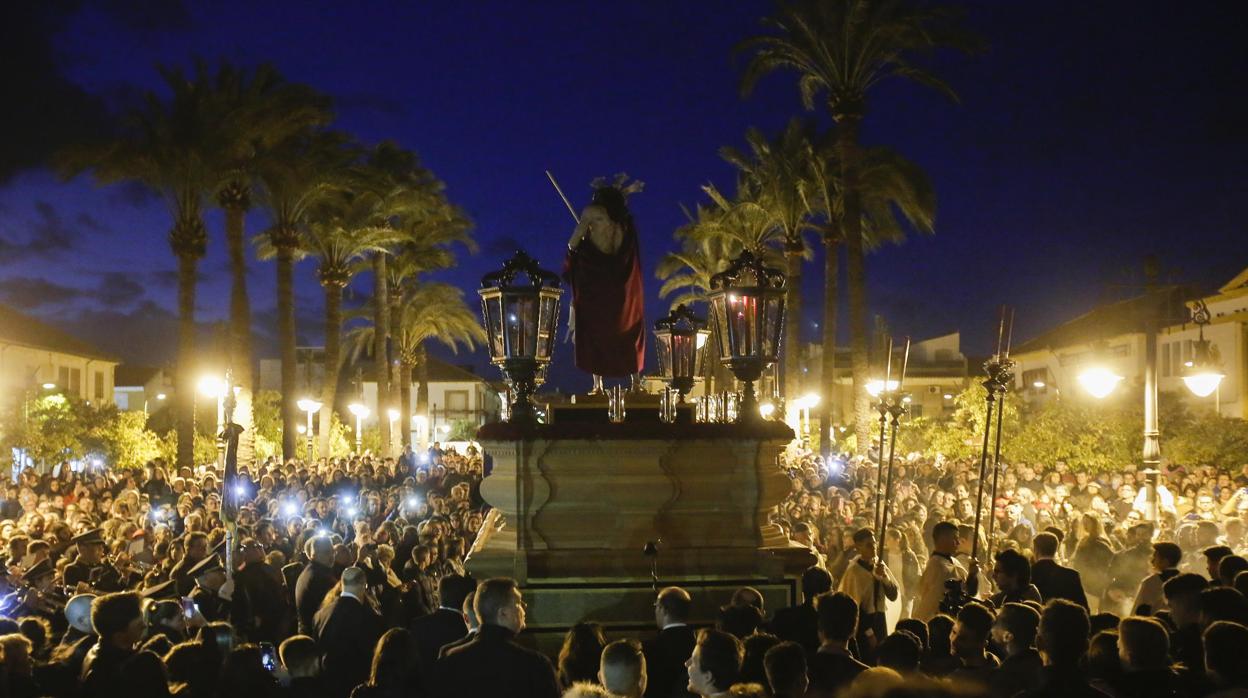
x,y
608,300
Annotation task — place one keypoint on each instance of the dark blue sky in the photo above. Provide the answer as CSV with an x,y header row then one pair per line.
x,y
1088,134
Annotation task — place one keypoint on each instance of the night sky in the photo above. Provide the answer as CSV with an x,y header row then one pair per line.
x,y
1088,135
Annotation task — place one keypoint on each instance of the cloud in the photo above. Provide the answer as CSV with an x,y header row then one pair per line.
x,y
29,293
51,236
119,288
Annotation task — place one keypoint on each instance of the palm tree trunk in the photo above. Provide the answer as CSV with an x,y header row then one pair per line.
x,y
240,333
333,348
286,336
831,293
792,328
381,347
847,147
405,403
185,380
422,392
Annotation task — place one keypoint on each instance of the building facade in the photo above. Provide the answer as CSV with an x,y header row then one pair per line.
x,y
36,357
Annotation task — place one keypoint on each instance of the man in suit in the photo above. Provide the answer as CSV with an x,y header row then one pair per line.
x,y
833,666
445,625
209,577
493,663
259,603
196,550
346,632
470,620
1053,580
799,623
316,579
667,653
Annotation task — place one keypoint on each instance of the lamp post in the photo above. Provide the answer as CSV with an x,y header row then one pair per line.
x,y
393,415
520,309
361,413
159,397
747,300
309,406
679,340
1202,375
216,388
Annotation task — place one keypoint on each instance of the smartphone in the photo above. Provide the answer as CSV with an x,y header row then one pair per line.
x,y
188,608
268,656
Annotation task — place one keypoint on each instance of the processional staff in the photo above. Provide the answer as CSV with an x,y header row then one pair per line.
x,y
999,374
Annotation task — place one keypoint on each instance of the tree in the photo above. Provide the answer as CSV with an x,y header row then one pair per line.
x,y
841,49
778,174
258,113
298,176
173,146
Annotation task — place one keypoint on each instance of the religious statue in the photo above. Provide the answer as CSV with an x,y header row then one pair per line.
x,y
603,266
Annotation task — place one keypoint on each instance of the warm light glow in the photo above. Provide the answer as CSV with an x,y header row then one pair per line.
x,y
445,428
358,410
807,401
1204,383
875,387
309,405
161,396
1099,381
702,339
301,429
421,421
212,386
907,400
766,409
948,396
49,386
392,414
1038,384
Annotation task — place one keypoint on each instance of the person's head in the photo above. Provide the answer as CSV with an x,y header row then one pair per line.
x,y
1222,603
715,663
748,596
939,630
970,632
837,615
1182,592
815,581
196,545
740,621
1044,545
321,550
1166,555
1143,643
622,669
394,662
1213,556
785,665
1015,627
16,649
917,628
1230,566
1224,654
672,605
864,543
581,654
300,656
498,602
945,538
118,619
354,581
1012,571
1103,662
900,652
1063,635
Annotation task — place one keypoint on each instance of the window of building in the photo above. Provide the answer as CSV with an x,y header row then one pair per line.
x,y
916,410
62,376
99,385
456,403
75,381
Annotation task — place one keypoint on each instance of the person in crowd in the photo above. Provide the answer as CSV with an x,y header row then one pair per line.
x,y
1062,640
1150,598
1053,580
394,672
870,583
785,664
118,620
514,671
581,654
347,629
1144,650
941,568
1227,671
314,582
834,666
445,625
1182,593
902,652
668,651
622,669
302,660
470,621
800,623
1012,575
969,641
714,666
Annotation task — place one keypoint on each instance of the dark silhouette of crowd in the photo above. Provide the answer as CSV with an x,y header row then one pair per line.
x,y
346,578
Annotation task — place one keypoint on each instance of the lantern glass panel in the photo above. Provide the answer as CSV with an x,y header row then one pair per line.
x,y
663,352
547,319
772,322
719,305
743,322
491,307
520,317
682,355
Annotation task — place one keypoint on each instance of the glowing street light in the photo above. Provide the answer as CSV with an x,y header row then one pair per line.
x,y
1202,375
875,387
361,412
1099,381
309,405
767,409
1038,385
49,386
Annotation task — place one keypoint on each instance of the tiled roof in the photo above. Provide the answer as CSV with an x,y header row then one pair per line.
x,y
23,330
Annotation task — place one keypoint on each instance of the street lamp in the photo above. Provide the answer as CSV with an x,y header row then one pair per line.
x,y
1202,375
361,412
747,300
679,340
805,404
159,397
216,388
520,309
1099,381
877,386
393,415
309,405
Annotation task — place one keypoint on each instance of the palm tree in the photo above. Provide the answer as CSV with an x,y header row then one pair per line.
x,y
171,145
259,112
893,189
296,178
777,173
339,235
841,49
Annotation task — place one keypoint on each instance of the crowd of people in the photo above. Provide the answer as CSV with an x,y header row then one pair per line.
x,y
346,579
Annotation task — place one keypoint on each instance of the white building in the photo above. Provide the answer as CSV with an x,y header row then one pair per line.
x,y
1112,336
142,388
35,356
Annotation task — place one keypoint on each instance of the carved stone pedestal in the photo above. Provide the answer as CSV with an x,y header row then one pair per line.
x,y
576,503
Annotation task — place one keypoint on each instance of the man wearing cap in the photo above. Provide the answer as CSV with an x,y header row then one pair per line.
x,y
91,568
196,551
209,577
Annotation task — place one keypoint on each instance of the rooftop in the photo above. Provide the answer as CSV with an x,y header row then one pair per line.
x,y
23,330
